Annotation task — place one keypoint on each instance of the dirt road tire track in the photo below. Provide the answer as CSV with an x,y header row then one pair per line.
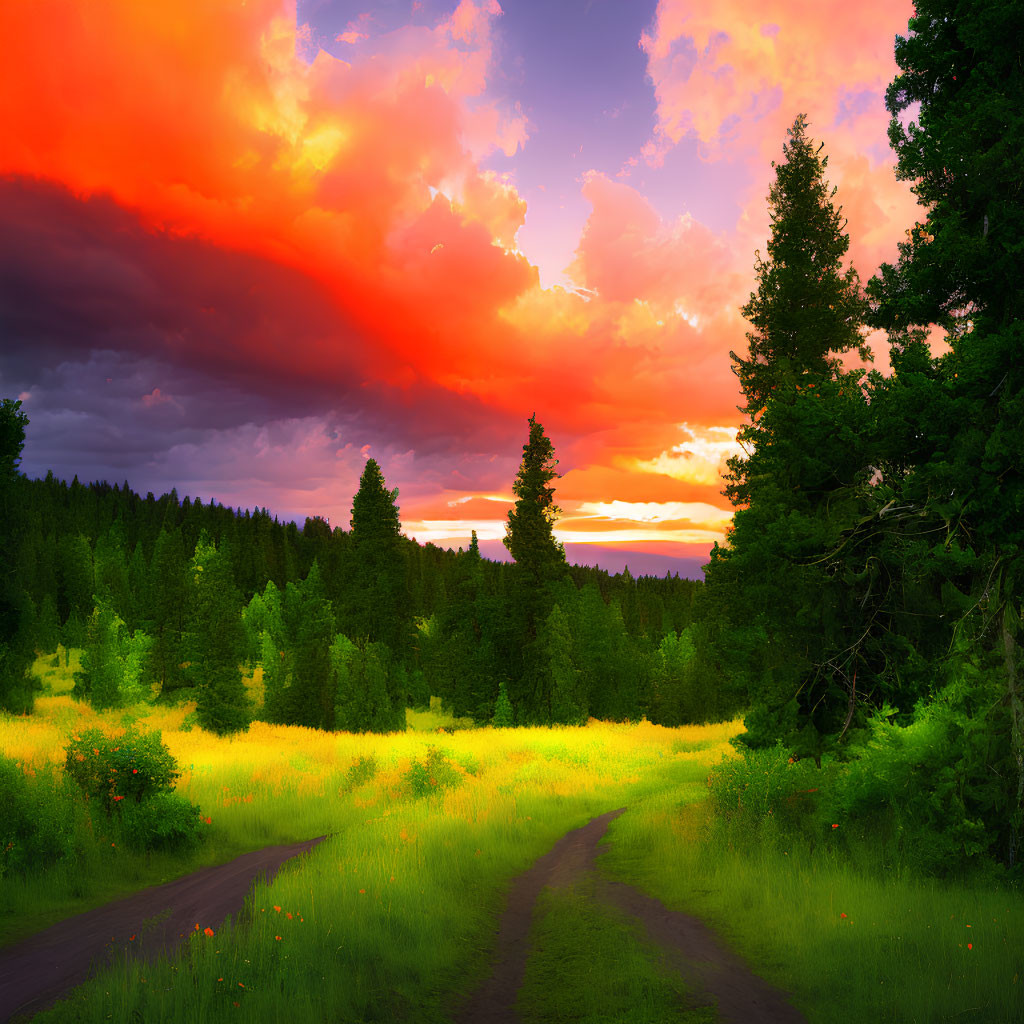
x,y
713,971
36,972
565,863
702,960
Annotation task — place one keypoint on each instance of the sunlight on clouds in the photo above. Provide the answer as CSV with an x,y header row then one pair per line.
x,y
701,459
321,146
505,499
639,535
433,531
650,511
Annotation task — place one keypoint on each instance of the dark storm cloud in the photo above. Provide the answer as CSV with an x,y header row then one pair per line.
x,y
128,343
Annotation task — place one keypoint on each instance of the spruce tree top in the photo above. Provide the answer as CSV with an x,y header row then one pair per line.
x,y
529,536
374,512
805,311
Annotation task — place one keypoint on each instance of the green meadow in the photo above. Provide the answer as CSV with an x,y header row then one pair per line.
x,y
394,916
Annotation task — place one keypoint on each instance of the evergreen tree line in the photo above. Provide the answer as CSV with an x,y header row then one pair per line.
x,y
172,599
870,590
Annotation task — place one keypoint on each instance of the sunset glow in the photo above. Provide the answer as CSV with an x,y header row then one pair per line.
x,y
254,244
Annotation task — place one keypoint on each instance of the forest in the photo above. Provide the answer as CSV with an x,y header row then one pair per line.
x,y
863,615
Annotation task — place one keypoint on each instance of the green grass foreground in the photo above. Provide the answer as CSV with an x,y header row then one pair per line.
x,y
851,944
394,915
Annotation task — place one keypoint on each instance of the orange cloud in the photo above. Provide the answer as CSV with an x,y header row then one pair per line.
x,y
201,119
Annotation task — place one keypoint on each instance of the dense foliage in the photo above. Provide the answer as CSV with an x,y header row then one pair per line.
x,y
171,599
877,543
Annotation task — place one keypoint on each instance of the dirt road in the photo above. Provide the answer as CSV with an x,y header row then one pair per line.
x,y
36,972
710,968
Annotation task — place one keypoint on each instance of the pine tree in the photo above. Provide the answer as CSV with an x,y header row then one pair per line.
x,y
365,697
139,590
215,643
309,625
378,606
673,702
806,457
539,566
76,575
17,687
949,428
111,563
529,534
503,715
47,635
594,649
170,594
101,678
567,693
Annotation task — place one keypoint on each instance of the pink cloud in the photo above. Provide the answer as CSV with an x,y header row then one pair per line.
x,y
628,253
157,397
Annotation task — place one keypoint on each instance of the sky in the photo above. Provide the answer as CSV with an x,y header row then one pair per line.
x,y
248,245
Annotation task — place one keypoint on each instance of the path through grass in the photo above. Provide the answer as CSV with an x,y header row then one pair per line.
x,y
859,947
590,965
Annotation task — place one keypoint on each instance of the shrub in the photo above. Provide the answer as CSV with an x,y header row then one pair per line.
x,y
126,768
163,821
37,824
435,772
764,786
362,770
503,713
938,784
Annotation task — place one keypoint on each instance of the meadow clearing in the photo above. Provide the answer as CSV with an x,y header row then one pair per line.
x,y
393,916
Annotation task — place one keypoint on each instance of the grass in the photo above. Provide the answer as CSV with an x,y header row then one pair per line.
x,y
849,944
589,965
395,913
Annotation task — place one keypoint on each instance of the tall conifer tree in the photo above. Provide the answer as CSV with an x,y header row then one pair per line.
x,y
169,593
529,534
309,623
215,643
17,688
804,460
540,566
378,605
